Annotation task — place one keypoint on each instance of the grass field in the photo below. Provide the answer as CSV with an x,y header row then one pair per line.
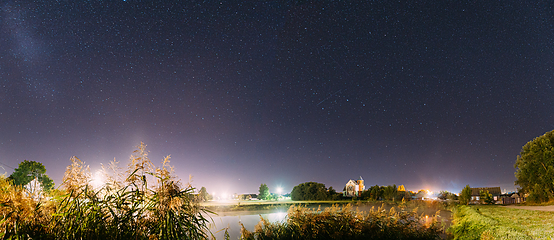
x,y
497,222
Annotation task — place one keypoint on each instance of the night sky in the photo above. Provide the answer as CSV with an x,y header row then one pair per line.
x,y
428,94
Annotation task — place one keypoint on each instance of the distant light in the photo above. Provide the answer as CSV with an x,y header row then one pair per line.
x,y
279,190
97,180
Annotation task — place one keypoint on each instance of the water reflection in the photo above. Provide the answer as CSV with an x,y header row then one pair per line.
x,y
231,219
249,219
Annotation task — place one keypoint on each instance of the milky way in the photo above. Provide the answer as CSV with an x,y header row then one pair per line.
x,y
429,95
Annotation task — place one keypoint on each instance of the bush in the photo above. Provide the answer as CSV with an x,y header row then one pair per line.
x,y
310,191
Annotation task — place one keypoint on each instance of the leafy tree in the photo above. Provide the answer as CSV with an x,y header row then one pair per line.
x,y
203,195
29,170
245,197
486,197
535,168
333,195
384,193
446,195
375,192
309,191
465,195
332,191
365,195
273,196
264,192
390,192
404,195
443,195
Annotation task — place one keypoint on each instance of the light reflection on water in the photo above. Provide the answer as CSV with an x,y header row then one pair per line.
x,y
249,219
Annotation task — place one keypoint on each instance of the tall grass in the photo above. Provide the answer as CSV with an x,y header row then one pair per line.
x,y
344,223
20,215
149,203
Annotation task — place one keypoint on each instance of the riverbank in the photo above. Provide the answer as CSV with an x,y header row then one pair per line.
x,y
236,207
257,205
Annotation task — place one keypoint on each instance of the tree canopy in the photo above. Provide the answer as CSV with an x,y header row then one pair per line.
x,y
390,192
203,194
29,170
486,197
465,195
264,192
535,168
384,193
446,195
310,191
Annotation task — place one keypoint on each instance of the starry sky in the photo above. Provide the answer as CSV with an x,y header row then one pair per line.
x,y
428,94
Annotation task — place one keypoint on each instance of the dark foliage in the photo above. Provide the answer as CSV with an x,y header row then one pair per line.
x,y
535,168
29,170
310,191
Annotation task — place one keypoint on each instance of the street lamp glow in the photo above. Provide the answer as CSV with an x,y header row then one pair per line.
x,y
97,180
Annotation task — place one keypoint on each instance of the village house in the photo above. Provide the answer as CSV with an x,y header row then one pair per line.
x,y
476,194
512,198
354,188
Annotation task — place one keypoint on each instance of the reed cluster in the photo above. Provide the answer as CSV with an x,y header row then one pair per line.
x,y
346,223
145,203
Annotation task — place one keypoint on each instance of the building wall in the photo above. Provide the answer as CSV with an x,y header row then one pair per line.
x,y
357,188
352,189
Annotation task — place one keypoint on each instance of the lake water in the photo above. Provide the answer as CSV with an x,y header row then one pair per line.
x,y
249,219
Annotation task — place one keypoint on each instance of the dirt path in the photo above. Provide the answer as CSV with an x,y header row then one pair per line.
x,y
537,208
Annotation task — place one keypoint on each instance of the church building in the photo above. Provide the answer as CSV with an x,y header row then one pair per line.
x,y
354,188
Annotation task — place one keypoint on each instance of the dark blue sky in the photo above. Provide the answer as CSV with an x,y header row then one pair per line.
x,y
428,94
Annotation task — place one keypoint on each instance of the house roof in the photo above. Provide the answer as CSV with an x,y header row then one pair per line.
x,y
352,182
420,195
492,190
